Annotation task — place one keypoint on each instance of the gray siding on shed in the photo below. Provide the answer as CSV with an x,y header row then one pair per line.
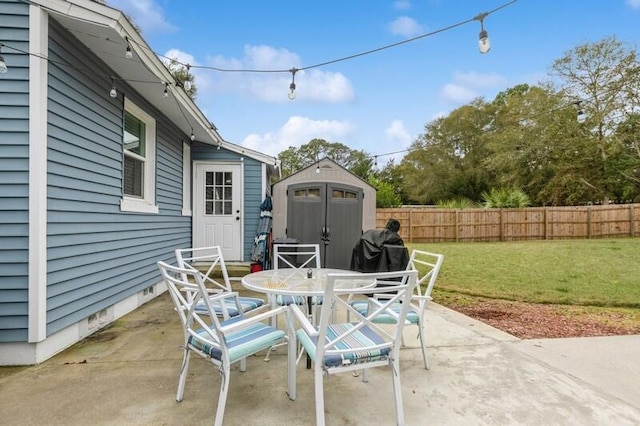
x,y
14,173
98,255
253,196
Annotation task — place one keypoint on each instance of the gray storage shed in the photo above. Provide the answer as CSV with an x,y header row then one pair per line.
x,y
324,204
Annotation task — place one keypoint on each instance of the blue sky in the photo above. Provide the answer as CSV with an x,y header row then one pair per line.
x,y
378,102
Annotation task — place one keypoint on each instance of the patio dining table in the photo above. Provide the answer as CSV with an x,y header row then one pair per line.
x,y
304,282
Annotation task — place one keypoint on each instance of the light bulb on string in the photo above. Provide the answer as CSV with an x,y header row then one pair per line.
x,y
292,86
187,81
484,45
581,116
128,53
113,92
192,137
165,94
3,64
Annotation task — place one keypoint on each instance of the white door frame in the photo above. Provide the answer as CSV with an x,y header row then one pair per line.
x,y
198,210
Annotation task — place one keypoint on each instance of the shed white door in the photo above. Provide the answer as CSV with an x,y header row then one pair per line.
x,y
217,218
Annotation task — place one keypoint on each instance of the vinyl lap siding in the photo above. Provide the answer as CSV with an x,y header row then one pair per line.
x,y
253,197
252,188
98,255
14,173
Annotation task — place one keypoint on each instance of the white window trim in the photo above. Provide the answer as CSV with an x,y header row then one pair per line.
x,y
147,204
186,179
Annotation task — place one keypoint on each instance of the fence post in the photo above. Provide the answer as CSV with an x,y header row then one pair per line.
x,y
456,225
546,223
632,230
589,232
501,225
410,225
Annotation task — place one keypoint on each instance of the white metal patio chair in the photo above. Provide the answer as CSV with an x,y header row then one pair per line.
x,y
428,266
217,280
297,256
360,343
222,342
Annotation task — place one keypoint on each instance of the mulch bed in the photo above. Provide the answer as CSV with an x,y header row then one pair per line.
x,y
534,321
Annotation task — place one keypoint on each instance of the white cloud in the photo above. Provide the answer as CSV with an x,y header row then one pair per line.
x,y
146,14
313,85
477,80
203,77
457,93
397,134
180,56
298,131
405,26
468,85
402,4
633,4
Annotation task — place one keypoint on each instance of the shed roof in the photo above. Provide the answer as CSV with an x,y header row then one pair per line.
x,y
325,163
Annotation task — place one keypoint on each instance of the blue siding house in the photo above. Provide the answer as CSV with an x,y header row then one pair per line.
x,y
102,175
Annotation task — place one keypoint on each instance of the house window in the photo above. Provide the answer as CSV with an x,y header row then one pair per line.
x,y
139,165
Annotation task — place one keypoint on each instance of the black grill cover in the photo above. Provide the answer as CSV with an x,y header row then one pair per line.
x,y
380,250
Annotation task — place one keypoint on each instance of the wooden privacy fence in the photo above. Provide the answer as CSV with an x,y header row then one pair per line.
x,y
426,224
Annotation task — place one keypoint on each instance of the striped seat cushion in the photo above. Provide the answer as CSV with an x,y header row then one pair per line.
x,y
286,300
383,318
357,344
246,304
242,343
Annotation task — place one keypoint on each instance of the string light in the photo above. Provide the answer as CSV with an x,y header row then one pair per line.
x,y
581,116
113,92
187,82
192,137
292,86
483,39
187,85
128,53
3,64
165,94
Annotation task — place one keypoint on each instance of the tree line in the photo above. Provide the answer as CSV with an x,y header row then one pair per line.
x,y
573,139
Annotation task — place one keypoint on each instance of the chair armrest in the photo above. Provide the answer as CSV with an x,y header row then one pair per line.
x,y
303,319
253,319
221,295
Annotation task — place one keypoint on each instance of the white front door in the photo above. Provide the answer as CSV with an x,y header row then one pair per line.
x,y
217,215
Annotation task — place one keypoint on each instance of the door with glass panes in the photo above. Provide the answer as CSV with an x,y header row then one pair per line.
x,y
329,214
217,209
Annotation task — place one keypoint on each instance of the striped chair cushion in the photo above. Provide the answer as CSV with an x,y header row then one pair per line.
x,y
246,304
285,300
356,342
363,307
242,343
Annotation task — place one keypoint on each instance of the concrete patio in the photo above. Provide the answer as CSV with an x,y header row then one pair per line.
x,y
128,372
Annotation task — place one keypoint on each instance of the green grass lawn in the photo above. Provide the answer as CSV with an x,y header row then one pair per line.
x,y
603,272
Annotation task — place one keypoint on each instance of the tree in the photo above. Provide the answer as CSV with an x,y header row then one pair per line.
x,y
537,145
499,198
182,75
604,78
386,196
446,161
357,162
